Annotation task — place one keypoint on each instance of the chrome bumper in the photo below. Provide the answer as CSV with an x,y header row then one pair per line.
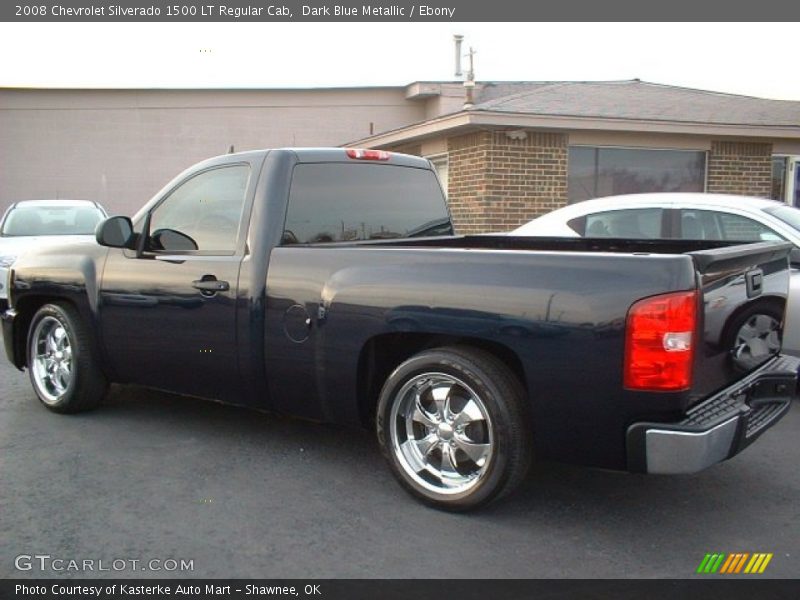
x,y
719,427
671,452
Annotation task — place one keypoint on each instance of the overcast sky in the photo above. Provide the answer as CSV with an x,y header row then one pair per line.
x,y
758,59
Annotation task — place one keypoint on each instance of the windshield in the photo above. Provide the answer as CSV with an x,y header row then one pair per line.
x,y
788,214
52,220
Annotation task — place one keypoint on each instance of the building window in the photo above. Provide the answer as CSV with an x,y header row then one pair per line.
x,y
439,163
779,178
597,172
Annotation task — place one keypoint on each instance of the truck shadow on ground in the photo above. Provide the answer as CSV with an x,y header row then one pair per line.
x,y
558,492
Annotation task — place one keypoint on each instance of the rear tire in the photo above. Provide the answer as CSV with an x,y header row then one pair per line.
x,y
454,426
63,369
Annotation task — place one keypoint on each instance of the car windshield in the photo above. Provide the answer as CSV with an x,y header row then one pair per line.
x,y
788,214
51,220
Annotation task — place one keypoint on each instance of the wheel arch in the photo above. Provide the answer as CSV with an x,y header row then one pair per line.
x,y
381,354
771,301
26,307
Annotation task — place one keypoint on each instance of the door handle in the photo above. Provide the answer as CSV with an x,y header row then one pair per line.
x,y
211,285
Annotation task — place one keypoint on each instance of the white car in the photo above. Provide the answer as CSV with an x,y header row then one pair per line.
x,y
33,223
692,216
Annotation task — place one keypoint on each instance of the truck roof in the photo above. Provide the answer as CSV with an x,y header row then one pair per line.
x,y
325,155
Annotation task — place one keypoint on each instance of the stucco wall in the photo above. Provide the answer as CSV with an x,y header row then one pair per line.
x,y
119,147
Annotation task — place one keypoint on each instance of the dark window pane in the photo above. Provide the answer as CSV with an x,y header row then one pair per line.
x,y
598,172
778,178
578,225
582,184
796,179
636,223
339,202
207,208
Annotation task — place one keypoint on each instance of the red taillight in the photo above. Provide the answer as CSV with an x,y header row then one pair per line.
x,y
659,343
361,154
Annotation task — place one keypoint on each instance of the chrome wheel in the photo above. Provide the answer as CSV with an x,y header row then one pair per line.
x,y
441,434
757,339
51,359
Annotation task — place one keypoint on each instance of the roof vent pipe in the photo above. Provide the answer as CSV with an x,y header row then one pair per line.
x,y
469,82
458,39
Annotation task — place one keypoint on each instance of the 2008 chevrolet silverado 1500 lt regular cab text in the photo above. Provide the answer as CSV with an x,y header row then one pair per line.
x,y
326,283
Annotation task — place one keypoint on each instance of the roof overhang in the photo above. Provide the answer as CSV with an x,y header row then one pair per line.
x,y
456,122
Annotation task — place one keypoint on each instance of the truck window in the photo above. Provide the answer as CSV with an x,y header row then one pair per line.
x,y
207,208
340,202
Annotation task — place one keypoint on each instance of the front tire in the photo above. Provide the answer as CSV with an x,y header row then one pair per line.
x,y
61,362
454,426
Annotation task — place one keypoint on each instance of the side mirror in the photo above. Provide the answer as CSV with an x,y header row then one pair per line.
x,y
170,240
115,232
794,258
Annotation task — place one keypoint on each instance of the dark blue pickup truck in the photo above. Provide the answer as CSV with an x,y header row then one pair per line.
x,y
328,284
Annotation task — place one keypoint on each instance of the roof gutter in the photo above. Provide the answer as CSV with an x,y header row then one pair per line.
x,y
415,131
485,119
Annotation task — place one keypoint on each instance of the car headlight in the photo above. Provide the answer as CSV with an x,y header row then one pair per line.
x,y
7,260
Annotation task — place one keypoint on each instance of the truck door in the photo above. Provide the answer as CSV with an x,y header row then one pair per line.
x,y
168,315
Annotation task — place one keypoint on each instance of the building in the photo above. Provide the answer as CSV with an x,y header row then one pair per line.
x,y
505,151
515,151
119,147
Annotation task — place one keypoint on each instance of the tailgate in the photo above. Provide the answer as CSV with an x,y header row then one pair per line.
x,y
744,290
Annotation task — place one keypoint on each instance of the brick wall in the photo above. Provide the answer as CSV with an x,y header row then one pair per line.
x,y
467,157
740,168
497,183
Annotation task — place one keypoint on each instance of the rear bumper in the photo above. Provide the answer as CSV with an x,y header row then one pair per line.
x,y
719,427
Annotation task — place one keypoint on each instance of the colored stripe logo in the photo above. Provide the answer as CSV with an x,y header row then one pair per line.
x,y
734,564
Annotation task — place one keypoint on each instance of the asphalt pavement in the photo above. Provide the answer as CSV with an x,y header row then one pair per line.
x,y
151,476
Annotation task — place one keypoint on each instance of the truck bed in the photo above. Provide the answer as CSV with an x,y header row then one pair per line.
x,y
558,306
